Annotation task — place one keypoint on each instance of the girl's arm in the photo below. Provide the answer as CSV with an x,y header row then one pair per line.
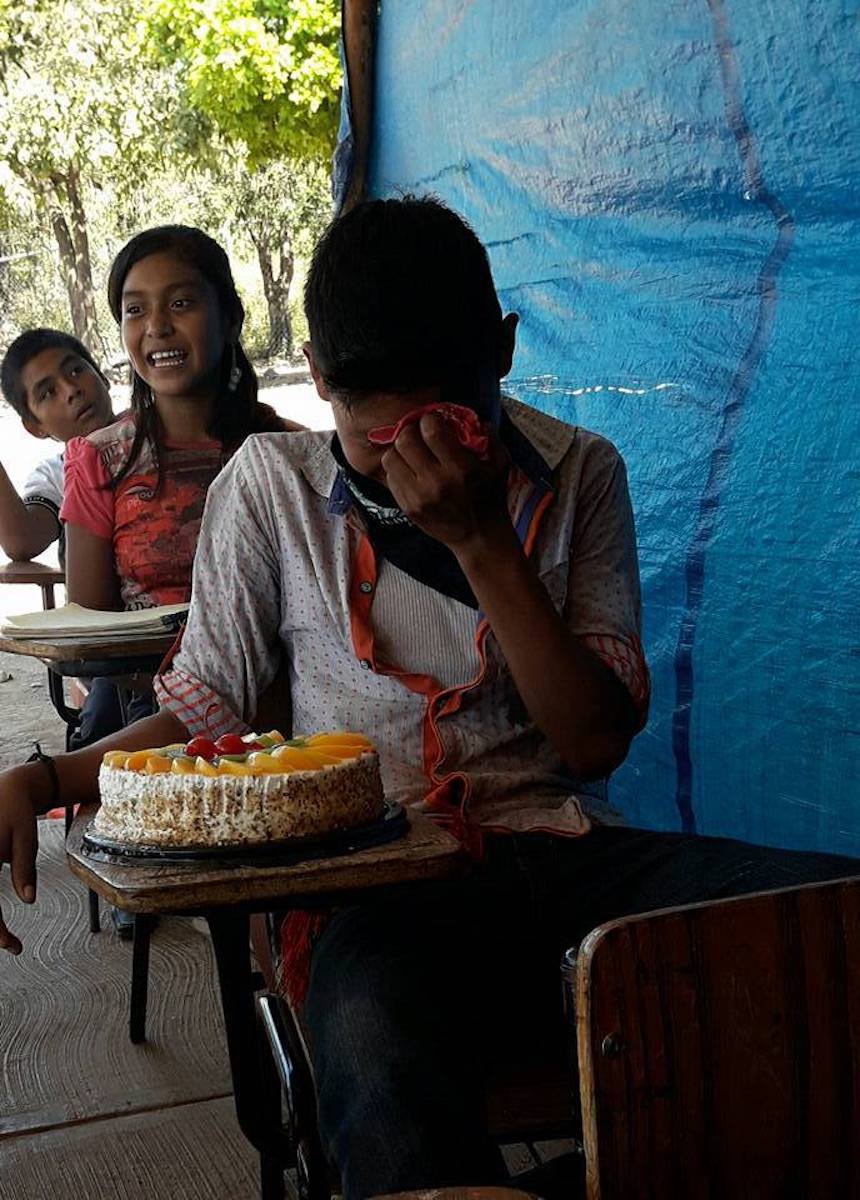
x,y
91,578
89,510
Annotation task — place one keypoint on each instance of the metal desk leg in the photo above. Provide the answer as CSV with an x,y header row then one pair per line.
x,y
255,1091
95,923
143,925
71,716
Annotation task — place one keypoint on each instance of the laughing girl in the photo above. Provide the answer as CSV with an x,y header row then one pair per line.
x,y
135,491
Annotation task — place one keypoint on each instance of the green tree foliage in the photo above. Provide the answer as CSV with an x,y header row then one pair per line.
x,y
78,109
272,215
282,209
117,115
265,76
265,73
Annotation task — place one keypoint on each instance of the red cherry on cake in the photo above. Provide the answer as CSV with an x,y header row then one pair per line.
x,y
202,747
231,743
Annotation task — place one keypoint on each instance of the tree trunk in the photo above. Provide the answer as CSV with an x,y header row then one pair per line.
x,y
277,290
73,246
83,267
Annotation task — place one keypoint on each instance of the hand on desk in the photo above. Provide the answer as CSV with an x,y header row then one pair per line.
x,y
18,843
27,790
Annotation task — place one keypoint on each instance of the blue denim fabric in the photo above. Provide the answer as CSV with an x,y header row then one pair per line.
x,y
102,713
410,997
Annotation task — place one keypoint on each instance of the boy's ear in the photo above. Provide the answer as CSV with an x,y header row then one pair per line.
x,y
33,426
508,343
316,374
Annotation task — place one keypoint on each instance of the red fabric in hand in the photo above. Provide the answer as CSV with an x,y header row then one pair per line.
x,y
465,423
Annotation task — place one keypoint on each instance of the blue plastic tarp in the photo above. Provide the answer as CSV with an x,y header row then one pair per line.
x,y
669,195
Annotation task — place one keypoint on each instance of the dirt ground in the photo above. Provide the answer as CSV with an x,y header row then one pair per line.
x,y
26,713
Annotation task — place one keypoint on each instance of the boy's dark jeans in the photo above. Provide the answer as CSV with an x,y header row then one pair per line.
x,y
410,998
102,713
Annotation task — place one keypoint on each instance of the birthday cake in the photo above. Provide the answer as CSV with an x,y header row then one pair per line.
x,y
239,791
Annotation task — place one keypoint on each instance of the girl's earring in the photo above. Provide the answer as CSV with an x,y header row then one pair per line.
x,y
235,371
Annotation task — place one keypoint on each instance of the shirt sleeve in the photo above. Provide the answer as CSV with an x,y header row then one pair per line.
x,y
44,485
231,649
603,604
88,498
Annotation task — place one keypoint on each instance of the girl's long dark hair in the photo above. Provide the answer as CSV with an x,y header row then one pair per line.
x,y
236,413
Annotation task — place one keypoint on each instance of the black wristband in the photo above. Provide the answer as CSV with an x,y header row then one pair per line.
x,y
39,756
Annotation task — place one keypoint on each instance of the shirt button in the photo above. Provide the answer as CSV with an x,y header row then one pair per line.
x,y
365,662
365,586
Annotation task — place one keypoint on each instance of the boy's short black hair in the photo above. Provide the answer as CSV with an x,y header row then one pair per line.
x,y
25,347
399,296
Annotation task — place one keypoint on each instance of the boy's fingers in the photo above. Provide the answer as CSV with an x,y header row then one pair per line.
x,y
24,862
399,478
396,468
442,440
499,459
414,451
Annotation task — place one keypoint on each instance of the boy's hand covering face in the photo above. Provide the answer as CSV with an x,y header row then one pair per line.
x,y
443,488
465,423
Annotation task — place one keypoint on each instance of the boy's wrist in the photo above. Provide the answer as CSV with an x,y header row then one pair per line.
x,y
487,548
34,780
47,762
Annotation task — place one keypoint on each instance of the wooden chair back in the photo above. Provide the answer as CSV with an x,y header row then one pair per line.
x,y
719,1049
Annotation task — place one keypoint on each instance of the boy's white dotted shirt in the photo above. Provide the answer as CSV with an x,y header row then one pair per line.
x,y
271,588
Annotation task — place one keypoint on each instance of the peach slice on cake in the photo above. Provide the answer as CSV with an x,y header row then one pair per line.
x,y
301,758
339,745
184,766
117,759
158,764
227,767
340,739
263,763
202,766
138,760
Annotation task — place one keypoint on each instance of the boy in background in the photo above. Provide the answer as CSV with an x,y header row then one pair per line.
x,y
54,385
52,382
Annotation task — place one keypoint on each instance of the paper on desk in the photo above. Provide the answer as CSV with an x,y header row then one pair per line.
x,y
75,621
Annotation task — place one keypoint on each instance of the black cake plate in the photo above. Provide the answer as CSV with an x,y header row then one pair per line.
x,y
387,828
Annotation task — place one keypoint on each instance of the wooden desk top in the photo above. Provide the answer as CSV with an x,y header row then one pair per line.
x,y
78,653
30,572
425,852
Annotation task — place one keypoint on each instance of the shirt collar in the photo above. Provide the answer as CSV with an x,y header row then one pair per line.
x,y
543,436
320,468
524,454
